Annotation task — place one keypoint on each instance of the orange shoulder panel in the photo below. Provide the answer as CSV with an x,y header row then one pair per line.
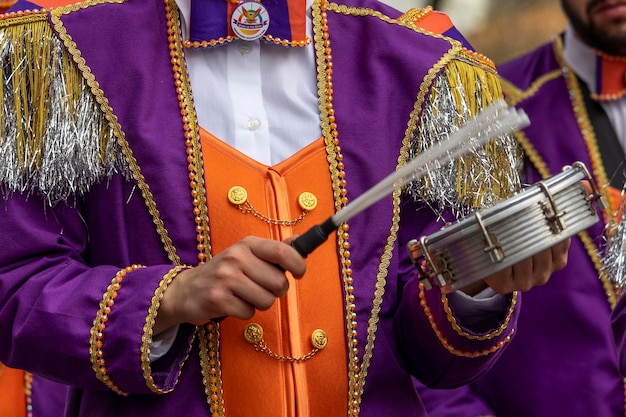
x,y
436,22
52,4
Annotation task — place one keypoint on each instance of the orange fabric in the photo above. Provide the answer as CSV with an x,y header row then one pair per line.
x,y
435,22
6,5
617,198
231,8
297,20
49,4
12,395
310,388
612,82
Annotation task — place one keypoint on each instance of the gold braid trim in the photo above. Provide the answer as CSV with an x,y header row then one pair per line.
x,y
146,339
105,109
414,15
458,352
96,339
491,335
592,250
209,339
358,369
514,95
588,133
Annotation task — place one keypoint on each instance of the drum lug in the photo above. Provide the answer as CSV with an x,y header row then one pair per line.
x,y
426,266
555,219
493,247
595,194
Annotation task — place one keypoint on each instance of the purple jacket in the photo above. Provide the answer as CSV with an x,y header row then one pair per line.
x,y
563,361
60,258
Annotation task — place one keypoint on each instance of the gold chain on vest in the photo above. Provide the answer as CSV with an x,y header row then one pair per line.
x,y
209,335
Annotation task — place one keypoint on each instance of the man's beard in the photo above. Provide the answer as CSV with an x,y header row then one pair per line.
x,y
610,39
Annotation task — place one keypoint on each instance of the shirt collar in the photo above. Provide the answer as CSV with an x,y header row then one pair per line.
x,y
605,75
184,7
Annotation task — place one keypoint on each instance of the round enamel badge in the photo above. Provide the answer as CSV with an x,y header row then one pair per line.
x,y
250,21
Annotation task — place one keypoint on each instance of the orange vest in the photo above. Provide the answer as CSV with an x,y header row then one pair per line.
x,y
12,392
278,383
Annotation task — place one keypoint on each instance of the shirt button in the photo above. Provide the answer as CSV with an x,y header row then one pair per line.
x,y
253,124
244,47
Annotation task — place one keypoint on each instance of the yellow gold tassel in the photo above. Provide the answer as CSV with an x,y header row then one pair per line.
x,y
474,88
466,85
54,137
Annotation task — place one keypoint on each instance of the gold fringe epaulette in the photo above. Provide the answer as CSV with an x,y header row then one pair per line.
x,y
54,139
480,178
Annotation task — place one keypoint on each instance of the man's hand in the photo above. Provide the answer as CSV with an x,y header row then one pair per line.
x,y
530,272
236,282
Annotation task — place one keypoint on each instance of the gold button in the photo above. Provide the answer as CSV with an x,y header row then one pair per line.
x,y
237,195
253,332
319,339
307,201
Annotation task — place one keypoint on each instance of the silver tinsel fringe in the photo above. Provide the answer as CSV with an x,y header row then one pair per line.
x,y
614,260
68,159
438,188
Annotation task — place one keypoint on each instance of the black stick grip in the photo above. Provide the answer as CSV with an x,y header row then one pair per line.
x,y
312,238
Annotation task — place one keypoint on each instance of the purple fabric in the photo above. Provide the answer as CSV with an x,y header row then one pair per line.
x,y
459,402
208,20
59,261
48,397
618,326
563,360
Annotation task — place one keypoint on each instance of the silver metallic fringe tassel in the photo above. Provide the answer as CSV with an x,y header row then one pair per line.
x,y
439,187
614,260
65,157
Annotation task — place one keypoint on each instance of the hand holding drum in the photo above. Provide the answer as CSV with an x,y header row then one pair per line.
x,y
526,233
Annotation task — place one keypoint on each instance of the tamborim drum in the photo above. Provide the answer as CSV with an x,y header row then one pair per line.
x,y
493,239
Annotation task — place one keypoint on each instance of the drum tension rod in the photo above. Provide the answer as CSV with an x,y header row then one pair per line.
x,y
595,194
493,247
553,216
417,250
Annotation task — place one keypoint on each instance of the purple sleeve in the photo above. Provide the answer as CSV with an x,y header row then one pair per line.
x,y
50,299
437,347
452,403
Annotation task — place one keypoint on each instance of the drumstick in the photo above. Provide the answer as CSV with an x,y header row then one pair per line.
x,y
488,124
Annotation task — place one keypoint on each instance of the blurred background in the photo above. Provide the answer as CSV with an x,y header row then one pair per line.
x,y
500,29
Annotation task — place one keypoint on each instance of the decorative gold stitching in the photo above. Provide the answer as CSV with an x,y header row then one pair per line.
x,y
515,95
584,124
55,16
191,133
497,332
96,339
415,15
23,17
146,339
212,367
452,349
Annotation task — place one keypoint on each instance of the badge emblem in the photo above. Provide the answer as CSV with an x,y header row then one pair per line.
x,y
250,21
